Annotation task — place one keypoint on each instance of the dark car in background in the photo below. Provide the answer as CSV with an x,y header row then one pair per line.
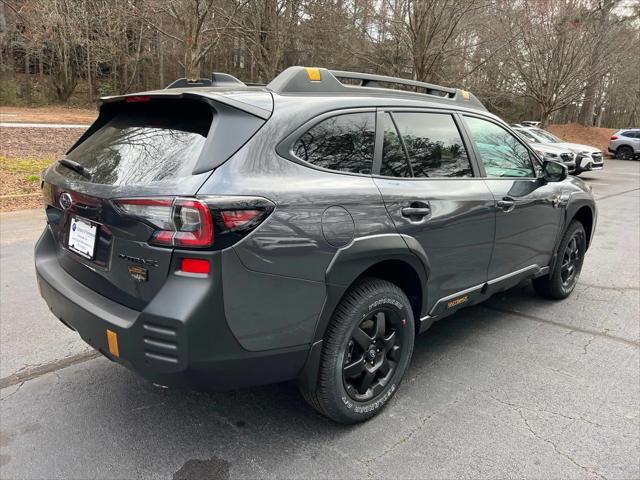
x,y
219,235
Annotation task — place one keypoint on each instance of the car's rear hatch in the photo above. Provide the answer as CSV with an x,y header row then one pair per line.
x,y
161,145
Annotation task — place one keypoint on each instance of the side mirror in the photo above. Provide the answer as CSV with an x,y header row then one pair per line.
x,y
554,171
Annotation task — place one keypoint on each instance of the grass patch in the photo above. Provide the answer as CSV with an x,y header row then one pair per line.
x,y
25,167
19,176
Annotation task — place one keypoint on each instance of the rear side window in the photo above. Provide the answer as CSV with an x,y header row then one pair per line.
x,y
630,134
501,153
429,145
144,143
343,143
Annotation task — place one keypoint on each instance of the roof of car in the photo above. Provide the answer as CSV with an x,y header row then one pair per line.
x,y
303,82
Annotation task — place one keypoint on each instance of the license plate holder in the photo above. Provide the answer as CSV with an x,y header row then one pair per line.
x,y
82,237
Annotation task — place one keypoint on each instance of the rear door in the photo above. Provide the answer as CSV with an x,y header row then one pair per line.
x,y
528,213
433,193
141,147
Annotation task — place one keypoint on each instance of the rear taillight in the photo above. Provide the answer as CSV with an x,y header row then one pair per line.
x,y
180,222
194,223
234,219
614,137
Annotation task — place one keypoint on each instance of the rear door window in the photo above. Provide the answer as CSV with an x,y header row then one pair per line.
x,y
343,143
426,145
433,144
144,143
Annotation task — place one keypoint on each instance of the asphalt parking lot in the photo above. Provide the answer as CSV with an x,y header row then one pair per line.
x,y
518,387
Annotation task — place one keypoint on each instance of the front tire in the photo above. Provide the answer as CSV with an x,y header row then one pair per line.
x,y
366,351
561,281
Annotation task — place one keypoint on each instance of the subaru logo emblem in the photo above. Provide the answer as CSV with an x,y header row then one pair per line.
x,y
65,200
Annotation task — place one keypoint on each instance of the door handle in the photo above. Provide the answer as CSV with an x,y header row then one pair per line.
x,y
506,204
416,211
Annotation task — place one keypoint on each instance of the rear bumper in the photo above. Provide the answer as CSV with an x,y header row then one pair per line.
x,y
181,338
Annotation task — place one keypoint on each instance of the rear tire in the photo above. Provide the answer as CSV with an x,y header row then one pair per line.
x,y
561,281
624,152
366,350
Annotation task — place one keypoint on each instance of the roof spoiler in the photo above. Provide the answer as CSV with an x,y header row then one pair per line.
x,y
322,80
217,79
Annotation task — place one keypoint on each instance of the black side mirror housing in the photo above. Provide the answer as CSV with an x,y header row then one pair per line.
x,y
554,171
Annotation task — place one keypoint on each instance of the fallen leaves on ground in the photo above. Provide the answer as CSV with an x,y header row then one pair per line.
x,y
575,133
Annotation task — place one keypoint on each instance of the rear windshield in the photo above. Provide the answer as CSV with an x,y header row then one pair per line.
x,y
144,142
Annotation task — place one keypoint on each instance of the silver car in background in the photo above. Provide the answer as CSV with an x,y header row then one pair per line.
x,y
548,151
588,158
625,143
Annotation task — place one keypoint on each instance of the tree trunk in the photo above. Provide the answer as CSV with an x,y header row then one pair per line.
x,y
161,61
27,77
586,111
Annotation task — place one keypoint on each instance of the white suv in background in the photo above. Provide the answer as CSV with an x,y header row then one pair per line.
x,y
548,151
587,157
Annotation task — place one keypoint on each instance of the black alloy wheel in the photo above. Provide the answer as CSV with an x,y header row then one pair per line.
x,y
366,350
560,282
570,266
372,354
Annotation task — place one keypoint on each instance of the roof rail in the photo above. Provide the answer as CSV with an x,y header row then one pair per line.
x,y
217,79
322,80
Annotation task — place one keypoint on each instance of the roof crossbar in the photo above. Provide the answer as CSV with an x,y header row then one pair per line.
x,y
321,80
370,80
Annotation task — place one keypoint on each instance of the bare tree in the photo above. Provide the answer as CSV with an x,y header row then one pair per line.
x,y
566,61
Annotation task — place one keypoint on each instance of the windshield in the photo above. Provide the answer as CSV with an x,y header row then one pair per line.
x,y
526,136
144,143
546,136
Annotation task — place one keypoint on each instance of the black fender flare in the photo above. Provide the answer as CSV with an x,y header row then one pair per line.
x,y
347,265
576,203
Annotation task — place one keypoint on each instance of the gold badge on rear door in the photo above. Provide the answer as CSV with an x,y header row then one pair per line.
x,y
138,273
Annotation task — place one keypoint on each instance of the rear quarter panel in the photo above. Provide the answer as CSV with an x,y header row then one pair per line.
x,y
280,268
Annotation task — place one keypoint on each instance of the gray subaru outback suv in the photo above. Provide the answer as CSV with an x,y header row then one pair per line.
x,y
218,235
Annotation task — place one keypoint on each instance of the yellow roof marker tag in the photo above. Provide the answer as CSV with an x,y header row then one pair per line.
x,y
112,340
313,74
465,95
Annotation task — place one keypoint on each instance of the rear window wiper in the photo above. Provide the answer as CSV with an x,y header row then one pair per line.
x,y
76,167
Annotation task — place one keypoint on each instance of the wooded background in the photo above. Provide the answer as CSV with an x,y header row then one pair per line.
x,y
560,61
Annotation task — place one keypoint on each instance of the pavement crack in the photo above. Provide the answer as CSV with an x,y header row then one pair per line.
x,y
412,432
587,345
614,289
14,392
604,197
30,372
604,334
557,449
